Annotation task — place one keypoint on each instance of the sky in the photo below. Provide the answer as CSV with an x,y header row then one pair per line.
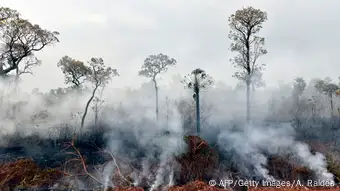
x,y
302,37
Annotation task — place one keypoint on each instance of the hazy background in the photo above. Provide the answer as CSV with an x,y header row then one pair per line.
x,y
301,37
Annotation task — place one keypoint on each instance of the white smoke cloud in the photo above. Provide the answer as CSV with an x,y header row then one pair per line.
x,y
253,142
130,115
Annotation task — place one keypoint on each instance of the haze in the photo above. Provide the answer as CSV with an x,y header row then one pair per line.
x,y
300,37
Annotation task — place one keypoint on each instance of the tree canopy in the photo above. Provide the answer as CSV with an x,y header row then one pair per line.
x,y
75,71
244,25
20,40
155,64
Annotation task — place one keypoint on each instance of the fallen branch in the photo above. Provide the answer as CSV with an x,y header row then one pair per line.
x,y
118,169
82,161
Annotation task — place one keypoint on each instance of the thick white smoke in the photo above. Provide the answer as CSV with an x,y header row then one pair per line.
x,y
134,133
252,143
160,141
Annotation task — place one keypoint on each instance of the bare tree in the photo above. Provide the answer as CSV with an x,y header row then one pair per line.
x,y
328,88
197,80
244,25
99,76
154,65
21,39
75,71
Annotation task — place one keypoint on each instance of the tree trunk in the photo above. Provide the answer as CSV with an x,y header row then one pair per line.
x,y
332,107
97,109
198,120
16,80
96,115
17,74
87,107
2,73
167,112
298,111
248,101
156,89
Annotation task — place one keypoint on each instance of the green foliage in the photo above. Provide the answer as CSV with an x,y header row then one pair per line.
x,y
75,71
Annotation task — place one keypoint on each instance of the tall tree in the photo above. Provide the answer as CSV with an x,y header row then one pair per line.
x,y
299,86
328,88
97,104
75,71
245,25
337,93
99,76
21,39
154,65
197,80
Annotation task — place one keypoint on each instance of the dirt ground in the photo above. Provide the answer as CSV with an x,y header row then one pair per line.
x,y
295,189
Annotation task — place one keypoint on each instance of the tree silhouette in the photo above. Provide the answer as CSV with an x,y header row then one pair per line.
x,y
328,88
21,39
75,71
154,65
299,86
245,24
98,76
197,80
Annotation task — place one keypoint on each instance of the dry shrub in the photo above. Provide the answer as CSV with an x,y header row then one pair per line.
x,y
332,156
199,163
195,186
333,165
26,174
281,168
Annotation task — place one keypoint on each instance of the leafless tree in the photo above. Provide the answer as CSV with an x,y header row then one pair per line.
x,y
245,24
153,66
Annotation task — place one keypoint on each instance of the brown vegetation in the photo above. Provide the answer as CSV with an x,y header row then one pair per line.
x,y
194,186
25,173
197,166
199,163
281,168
